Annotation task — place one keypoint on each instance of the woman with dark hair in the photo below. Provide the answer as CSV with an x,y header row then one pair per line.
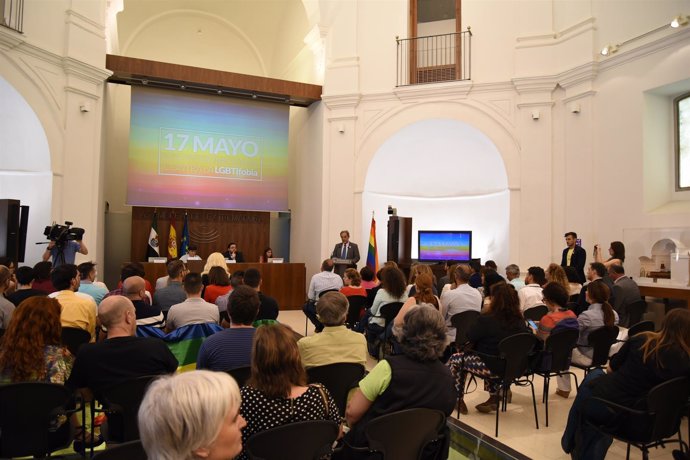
x,y
414,379
218,284
489,279
32,350
616,253
392,290
42,280
267,254
368,278
502,320
645,361
424,293
415,271
277,392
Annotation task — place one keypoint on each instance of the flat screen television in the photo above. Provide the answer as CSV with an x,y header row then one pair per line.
x,y
442,245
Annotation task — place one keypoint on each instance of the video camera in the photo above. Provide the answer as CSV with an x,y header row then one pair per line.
x,y
63,233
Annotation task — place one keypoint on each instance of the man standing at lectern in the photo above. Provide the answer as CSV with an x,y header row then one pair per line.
x,y
345,250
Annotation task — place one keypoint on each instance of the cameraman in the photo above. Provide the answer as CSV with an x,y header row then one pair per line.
x,y
69,251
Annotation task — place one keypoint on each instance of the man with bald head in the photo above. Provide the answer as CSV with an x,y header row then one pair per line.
x,y
134,288
122,355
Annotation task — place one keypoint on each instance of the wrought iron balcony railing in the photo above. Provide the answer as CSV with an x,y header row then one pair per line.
x,y
435,58
12,14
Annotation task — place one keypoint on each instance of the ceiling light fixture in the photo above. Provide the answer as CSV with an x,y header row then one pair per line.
x,y
678,21
609,49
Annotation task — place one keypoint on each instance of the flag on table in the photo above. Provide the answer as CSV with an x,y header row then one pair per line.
x,y
172,240
152,249
184,243
372,254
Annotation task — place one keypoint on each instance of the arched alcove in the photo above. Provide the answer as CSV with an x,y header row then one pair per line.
x,y
446,175
25,168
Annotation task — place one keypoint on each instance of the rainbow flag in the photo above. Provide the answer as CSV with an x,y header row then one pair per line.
x,y
372,254
183,342
172,240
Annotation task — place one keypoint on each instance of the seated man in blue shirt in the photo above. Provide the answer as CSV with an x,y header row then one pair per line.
x,y
231,348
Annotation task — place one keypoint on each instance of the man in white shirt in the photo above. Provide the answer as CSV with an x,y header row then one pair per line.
x,y
462,298
190,254
323,281
530,295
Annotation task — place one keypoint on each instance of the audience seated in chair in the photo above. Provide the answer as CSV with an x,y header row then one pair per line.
x,y
231,348
414,379
134,289
625,293
643,362
503,320
336,343
194,310
173,292
530,295
277,392
323,281
423,293
78,310
461,297
192,415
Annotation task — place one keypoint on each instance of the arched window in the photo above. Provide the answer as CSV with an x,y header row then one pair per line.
x,y
681,110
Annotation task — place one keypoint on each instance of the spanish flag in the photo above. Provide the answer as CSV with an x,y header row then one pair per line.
x,y
372,254
172,240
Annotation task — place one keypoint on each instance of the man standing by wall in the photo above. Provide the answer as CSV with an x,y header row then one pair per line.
x,y
574,256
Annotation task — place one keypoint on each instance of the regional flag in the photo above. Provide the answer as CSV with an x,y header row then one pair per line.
x,y
184,243
172,240
152,249
372,254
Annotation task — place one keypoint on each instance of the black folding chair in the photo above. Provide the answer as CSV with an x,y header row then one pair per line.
x,y
339,379
535,313
356,303
636,311
30,419
600,342
121,402
73,338
462,322
556,360
651,427
511,368
388,312
308,440
642,326
132,450
240,374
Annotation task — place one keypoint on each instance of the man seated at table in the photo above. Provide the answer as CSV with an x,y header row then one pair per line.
x,y
336,343
194,310
231,348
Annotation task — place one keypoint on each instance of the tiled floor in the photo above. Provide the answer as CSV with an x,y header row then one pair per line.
x,y
516,426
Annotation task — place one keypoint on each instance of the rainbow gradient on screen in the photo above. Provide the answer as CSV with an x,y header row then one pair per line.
x,y
199,151
436,245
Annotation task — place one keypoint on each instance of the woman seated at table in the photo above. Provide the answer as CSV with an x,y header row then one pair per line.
x,y
414,379
502,320
267,254
645,361
277,392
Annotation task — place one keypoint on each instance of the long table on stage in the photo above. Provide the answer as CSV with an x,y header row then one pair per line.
x,y
284,282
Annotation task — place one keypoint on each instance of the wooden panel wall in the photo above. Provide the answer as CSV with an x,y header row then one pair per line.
x,y
211,230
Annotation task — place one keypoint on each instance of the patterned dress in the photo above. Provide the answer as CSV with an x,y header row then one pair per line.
x,y
58,365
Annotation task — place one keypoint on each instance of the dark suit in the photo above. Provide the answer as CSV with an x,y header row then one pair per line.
x,y
239,258
582,303
625,292
351,253
577,260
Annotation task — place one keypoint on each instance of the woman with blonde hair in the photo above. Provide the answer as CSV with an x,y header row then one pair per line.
x,y
215,259
556,274
645,361
424,294
193,415
277,392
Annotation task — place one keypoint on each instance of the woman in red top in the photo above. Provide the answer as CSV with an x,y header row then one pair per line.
x,y
353,284
218,284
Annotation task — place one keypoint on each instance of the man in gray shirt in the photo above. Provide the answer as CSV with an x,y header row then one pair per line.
x,y
194,310
173,293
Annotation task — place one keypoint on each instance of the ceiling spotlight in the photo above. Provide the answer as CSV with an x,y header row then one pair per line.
x,y
609,49
678,21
